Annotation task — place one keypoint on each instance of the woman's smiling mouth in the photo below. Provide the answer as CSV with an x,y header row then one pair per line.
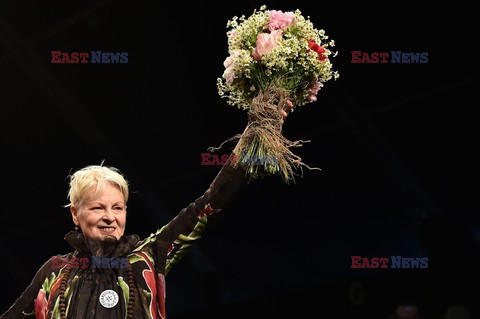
x,y
106,229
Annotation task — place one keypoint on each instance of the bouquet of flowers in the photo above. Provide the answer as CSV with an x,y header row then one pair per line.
x,y
278,61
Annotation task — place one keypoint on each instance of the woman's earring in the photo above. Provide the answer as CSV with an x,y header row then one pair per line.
x,y
76,227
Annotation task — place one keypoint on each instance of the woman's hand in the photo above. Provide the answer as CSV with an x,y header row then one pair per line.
x,y
284,117
285,112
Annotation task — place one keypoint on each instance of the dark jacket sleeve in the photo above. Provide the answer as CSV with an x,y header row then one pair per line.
x,y
169,244
25,303
225,187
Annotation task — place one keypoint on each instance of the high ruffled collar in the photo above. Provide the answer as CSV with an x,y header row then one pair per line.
x,y
109,247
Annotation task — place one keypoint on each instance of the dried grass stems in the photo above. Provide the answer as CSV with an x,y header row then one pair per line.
x,y
263,138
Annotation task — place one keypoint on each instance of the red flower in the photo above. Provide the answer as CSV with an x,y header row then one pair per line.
x,y
317,48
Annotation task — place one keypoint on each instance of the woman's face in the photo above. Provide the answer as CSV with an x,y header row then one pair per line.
x,y
102,216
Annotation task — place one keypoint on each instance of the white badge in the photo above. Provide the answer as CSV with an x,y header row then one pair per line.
x,y
108,298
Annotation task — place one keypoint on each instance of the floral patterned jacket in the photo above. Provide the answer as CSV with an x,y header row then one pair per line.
x,y
151,259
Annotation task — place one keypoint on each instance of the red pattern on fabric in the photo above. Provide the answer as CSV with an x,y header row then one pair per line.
x,y
170,248
161,294
42,304
55,286
41,309
208,210
157,288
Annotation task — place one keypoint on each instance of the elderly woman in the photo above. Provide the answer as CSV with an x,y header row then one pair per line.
x,y
110,274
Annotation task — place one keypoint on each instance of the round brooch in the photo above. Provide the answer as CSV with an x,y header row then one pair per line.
x,y
108,298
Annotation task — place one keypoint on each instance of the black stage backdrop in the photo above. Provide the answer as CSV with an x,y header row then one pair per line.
x,y
395,143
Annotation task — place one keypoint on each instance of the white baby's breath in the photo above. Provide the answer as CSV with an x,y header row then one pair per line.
x,y
291,64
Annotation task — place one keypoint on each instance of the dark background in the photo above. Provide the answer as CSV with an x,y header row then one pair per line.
x,y
395,143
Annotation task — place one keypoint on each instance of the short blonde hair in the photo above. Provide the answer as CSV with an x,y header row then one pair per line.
x,y
95,175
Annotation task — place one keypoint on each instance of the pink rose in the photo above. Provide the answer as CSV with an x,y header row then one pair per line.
x,y
314,88
229,62
280,20
265,43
